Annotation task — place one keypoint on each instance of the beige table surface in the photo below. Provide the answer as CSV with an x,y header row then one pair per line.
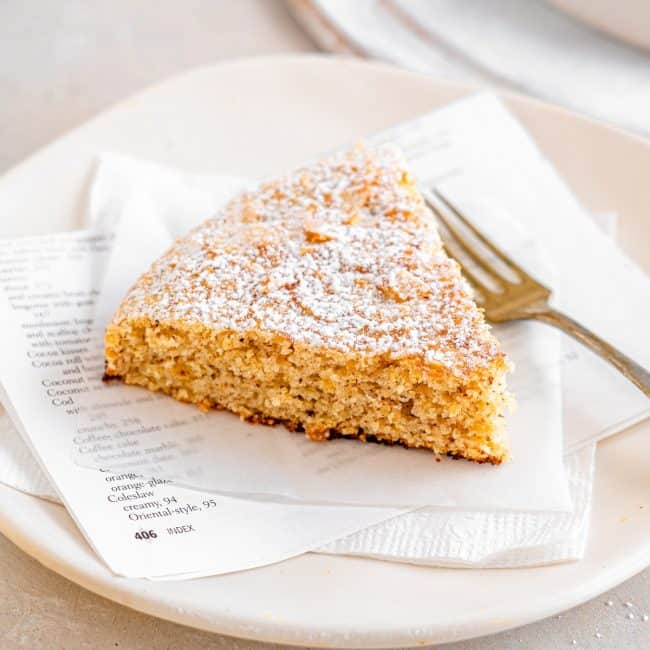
x,y
62,61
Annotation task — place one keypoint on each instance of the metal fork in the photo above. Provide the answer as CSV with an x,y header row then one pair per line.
x,y
518,296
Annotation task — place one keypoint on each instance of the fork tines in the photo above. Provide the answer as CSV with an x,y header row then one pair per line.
x,y
502,284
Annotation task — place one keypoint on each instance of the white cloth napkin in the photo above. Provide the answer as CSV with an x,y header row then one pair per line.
x,y
527,46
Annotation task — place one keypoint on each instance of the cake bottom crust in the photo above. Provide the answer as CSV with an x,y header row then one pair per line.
x,y
321,435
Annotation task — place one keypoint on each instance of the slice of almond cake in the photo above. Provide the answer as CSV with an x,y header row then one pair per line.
x,y
323,300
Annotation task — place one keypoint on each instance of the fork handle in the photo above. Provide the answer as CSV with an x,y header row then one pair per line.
x,y
636,373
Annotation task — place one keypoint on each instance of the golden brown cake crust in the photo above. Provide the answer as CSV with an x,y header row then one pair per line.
x,y
338,264
363,437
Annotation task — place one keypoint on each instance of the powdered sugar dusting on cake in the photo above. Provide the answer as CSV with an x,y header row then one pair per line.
x,y
342,253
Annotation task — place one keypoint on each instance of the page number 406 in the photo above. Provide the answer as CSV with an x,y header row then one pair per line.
x,y
146,534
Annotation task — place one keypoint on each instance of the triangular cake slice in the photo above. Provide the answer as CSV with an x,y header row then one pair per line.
x,y
323,300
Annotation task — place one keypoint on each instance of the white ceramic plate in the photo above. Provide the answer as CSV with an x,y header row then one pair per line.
x,y
254,116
